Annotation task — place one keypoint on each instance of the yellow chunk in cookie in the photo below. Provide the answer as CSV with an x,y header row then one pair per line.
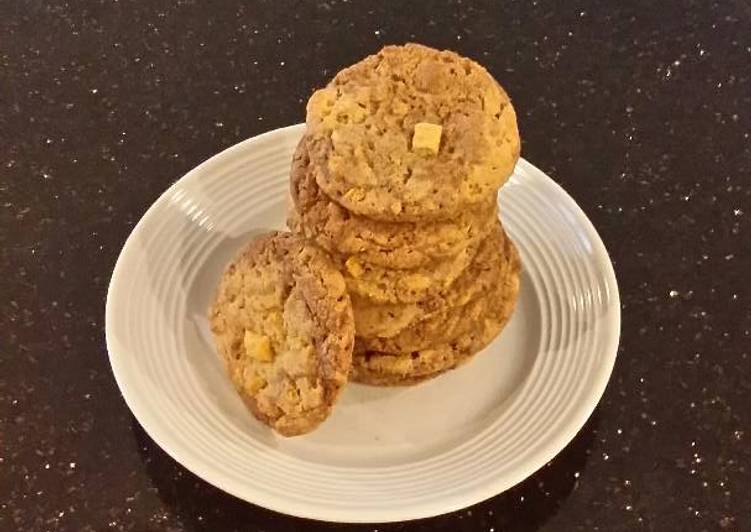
x,y
354,267
416,281
255,383
355,194
427,137
258,346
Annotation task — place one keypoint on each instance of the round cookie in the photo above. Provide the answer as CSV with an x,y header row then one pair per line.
x,y
282,321
412,134
395,245
446,325
387,369
386,320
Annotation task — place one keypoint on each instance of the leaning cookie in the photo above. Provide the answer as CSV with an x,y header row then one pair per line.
x,y
412,134
396,245
282,321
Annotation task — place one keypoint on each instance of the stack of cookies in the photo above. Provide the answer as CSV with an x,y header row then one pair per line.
x,y
399,268
397,178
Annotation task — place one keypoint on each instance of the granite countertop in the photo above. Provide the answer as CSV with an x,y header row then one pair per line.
x,y
643,113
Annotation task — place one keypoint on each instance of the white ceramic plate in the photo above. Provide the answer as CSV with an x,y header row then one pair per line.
x,y
386,454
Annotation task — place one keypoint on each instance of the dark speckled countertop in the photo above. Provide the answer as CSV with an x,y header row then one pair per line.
x,y
642,112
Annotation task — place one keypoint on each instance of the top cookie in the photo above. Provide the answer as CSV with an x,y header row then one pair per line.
x,y
374,143
282,321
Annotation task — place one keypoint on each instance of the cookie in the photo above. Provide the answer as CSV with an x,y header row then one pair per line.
x,y
385,320
450,323
380,284
412,134
394,245
388,369
282,321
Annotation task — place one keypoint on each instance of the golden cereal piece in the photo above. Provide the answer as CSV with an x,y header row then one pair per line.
x,y
427,137
355,194
417,281
258,346
256,383
354,267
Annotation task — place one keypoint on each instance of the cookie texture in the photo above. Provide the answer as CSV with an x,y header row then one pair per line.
x,y
396,245
450,323
282,321
398,369
381,284
412,134
385,320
